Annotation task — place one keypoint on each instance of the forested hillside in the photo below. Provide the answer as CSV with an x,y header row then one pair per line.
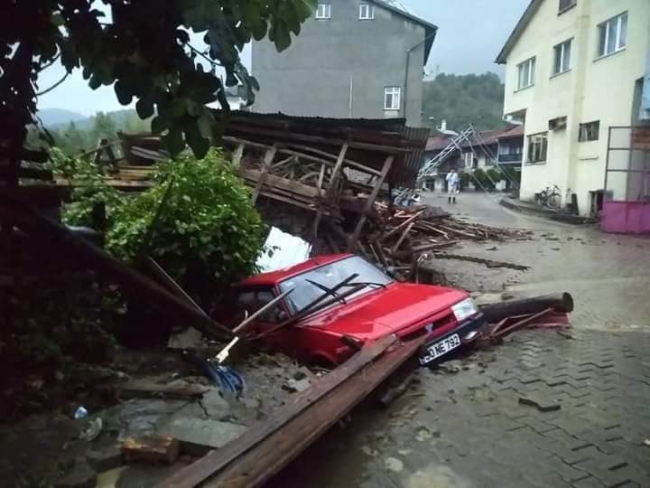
x,y
464,99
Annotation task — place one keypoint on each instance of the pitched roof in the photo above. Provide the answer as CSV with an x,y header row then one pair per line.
x,y
430,29
516,131
519,29
437,142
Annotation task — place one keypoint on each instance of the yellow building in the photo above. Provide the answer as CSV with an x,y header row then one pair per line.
x,y
575,68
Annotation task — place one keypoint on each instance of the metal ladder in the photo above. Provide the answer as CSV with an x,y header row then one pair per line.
x,y
429,168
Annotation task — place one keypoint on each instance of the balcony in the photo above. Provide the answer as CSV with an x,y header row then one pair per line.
x,y
509,158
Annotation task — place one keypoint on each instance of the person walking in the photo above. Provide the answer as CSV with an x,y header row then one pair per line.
x,y
452,186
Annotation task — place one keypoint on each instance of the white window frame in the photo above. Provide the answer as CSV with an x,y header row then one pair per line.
x,y
324,11
616,27
395,94
562,54
537,148
366,11
529,75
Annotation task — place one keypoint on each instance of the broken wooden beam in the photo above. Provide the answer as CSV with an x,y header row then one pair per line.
x,y
496,312
60,241
152,449
258,465
215,461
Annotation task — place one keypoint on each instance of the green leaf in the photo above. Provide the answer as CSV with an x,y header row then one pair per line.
x,y
144,107
198,143
124,95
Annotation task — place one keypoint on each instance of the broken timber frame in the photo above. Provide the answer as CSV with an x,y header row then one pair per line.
x,y
369,202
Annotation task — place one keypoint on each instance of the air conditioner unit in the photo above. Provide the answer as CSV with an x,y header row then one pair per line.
x,y
558,123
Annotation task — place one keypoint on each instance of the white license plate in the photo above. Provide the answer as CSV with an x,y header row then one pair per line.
x,y
434,351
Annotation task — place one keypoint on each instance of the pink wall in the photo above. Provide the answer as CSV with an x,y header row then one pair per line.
x,y
625,217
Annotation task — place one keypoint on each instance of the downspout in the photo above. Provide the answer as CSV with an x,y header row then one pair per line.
x,y
408,63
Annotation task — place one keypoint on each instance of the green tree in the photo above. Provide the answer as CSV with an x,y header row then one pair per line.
x,y
104,127
72,141
462,100
143,50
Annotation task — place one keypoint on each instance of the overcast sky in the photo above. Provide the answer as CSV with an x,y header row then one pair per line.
x,y
470,35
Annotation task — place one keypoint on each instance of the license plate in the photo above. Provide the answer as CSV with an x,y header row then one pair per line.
x,y
434,351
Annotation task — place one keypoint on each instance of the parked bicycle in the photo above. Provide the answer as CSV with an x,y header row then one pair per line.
x,y
550,197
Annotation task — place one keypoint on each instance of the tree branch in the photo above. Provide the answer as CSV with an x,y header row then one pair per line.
x,y
207,58
53,86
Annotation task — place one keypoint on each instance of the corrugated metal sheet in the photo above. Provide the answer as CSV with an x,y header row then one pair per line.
x,y
282,251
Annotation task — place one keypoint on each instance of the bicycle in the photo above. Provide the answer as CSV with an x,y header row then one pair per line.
x,y
550,197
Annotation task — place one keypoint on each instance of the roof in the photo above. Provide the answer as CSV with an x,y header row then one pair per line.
x,y
519,29
429,28
437,143
516,131
274,277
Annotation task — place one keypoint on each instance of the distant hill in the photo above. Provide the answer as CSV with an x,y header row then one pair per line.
x,y
464,99
57,116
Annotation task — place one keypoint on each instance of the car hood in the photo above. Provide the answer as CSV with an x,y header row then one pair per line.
x,y
385,311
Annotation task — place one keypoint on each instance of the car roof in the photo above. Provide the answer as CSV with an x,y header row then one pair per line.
x,y
274,277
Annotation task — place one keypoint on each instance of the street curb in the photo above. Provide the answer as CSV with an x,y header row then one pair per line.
x,y
548,214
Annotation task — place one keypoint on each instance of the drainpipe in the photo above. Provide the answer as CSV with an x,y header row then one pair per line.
x,y
408,62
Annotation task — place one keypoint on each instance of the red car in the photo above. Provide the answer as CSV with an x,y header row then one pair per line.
x,y
338,302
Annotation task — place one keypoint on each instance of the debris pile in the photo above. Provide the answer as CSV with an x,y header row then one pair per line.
x,y
396,237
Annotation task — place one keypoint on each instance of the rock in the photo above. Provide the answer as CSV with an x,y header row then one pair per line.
x,y
393,464
492,248
646,442
105,458
542,405
197,436
80,476
214,405
293,386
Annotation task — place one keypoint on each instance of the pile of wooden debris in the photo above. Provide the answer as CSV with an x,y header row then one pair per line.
x,y
395,237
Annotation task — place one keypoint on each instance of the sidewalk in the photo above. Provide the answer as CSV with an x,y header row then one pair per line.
x,y
533,209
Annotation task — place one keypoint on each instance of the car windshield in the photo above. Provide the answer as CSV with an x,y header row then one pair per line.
x,y
306,288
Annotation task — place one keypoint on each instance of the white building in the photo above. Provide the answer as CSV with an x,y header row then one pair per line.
x,y
575,68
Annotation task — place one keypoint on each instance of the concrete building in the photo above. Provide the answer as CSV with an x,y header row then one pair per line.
x,y
353,59
575,69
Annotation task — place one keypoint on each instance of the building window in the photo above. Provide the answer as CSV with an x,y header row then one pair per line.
x,y
366,11
526,74
537,147
566,5
562,57
324,11
589,131
612,35
392,95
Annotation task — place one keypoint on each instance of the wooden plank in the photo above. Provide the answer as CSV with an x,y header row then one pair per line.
x,y
371,199
402,237
346,161
282,135
151,448
258,465
337,169
268,159
274,181
215,461
238,154
399,227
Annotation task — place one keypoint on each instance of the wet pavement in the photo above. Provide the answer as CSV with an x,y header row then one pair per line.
x,y
544,409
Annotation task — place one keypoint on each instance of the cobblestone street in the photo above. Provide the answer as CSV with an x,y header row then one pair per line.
x,y
544,409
